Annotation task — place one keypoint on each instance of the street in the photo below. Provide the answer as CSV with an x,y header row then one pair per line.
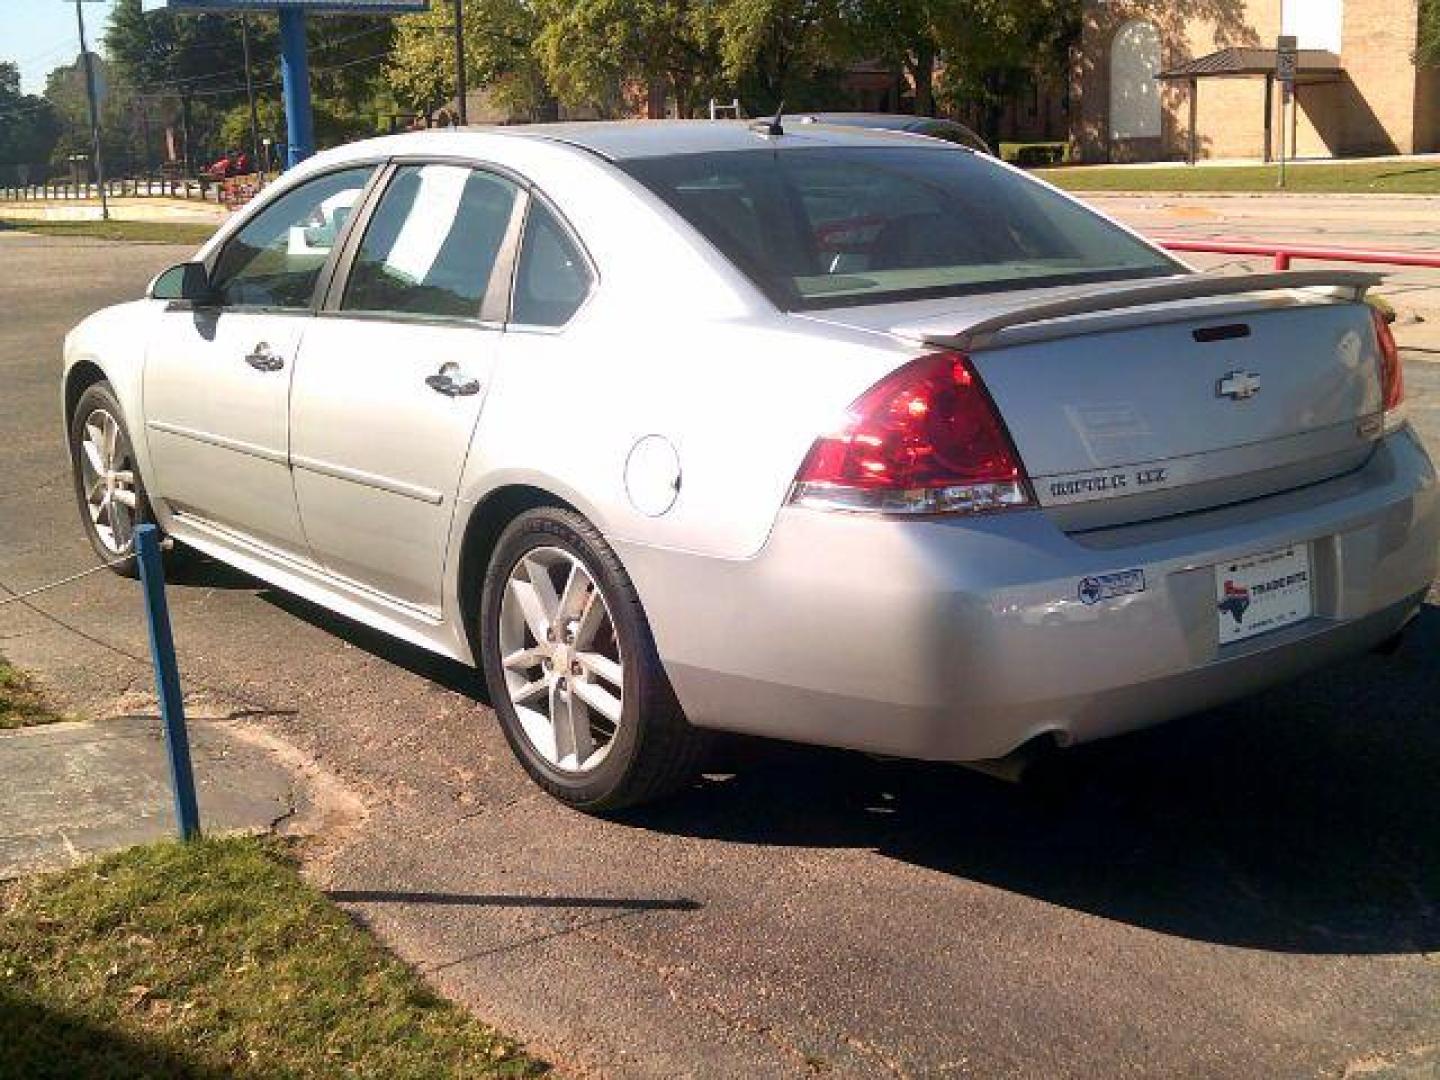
x,y
1254,891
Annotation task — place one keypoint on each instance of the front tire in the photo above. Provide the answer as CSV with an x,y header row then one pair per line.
x,y
572,669
108,489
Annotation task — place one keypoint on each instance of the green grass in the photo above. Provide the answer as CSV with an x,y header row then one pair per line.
x,y
1421,177
154,232
20,702
214,959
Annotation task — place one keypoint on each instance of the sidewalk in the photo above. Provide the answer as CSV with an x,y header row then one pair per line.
x,y
150,208
77,789
1410,222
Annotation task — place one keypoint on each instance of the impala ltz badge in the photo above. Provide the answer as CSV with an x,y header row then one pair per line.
x,y
1108,586
1080,486
1238,386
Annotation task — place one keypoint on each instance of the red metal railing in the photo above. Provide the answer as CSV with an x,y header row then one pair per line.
x,y
1283,253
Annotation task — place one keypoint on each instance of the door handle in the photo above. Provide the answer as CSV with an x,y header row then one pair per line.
x,y
263,358
452,382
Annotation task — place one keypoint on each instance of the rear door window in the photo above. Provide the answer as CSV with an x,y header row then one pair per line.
x,y
431,247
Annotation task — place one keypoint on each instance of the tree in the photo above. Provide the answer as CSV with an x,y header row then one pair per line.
x,y
1427,49
905,34
783,48
348,59
499,55
997,48
29,127
234,131
121,141
332,127
592,48
980,50
195,58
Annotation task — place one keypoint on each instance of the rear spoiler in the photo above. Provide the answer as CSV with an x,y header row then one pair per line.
x,y
982,334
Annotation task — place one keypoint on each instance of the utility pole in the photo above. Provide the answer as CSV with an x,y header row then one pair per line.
x,y
1286,67
460,61
94,111
250,96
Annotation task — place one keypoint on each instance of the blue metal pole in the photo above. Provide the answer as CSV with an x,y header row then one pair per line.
x,y
295,86
167,681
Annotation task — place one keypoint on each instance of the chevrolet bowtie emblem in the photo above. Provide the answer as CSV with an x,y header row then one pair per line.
x,y
1238,385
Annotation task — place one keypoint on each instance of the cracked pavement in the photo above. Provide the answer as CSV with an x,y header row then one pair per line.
x,y
1255,891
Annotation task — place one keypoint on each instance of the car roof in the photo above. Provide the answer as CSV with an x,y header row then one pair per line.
x,y
619,140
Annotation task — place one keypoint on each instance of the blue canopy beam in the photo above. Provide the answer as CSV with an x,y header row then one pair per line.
x,y
295,87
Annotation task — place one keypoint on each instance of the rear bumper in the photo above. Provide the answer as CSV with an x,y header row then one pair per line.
x,y
963,639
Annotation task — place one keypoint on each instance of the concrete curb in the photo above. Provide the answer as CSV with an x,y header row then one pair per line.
x,y
78,789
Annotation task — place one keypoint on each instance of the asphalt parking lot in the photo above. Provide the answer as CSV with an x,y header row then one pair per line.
x,y
1255,891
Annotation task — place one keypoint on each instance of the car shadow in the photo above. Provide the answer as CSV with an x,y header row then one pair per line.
x,y
188,568
442,671
195,570
1302,820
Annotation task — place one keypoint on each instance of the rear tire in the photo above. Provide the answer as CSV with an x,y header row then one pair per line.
x,y
606,732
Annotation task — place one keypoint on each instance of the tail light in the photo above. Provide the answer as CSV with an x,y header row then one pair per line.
x,y
1392,372
925,440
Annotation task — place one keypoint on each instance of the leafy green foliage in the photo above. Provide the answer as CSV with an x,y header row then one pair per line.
x,y
605,54
214,959
995,48
781,44
589,48
120,142
191,65
1427,50
183,54
332,125
605,57
190,69
29,126
499,55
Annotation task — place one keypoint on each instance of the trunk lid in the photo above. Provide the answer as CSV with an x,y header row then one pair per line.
x,y
1165,406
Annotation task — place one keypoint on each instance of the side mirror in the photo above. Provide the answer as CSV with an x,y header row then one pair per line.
x,y
188,281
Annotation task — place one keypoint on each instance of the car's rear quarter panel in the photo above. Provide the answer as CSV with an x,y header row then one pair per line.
x,y
673,342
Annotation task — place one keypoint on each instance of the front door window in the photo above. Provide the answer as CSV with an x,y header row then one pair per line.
x,y
275,260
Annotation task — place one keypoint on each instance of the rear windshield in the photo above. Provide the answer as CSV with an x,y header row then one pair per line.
x,y
834,226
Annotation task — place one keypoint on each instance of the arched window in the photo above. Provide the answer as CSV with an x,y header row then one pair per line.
x,y
1134,93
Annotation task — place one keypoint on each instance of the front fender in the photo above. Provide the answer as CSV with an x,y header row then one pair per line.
x,y
112,342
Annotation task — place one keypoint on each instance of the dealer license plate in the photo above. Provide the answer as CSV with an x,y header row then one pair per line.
x,y
1261,593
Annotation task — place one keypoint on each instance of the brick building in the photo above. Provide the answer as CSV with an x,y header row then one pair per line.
x,y
1161,79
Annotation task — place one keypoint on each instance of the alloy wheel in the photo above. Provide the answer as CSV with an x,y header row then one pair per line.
x,y
564,672
108,479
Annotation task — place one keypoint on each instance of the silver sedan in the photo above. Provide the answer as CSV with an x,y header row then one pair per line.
x,y
811,432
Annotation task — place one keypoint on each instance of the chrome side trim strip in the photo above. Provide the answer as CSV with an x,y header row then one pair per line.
x,y
254,552
356,476
250,449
